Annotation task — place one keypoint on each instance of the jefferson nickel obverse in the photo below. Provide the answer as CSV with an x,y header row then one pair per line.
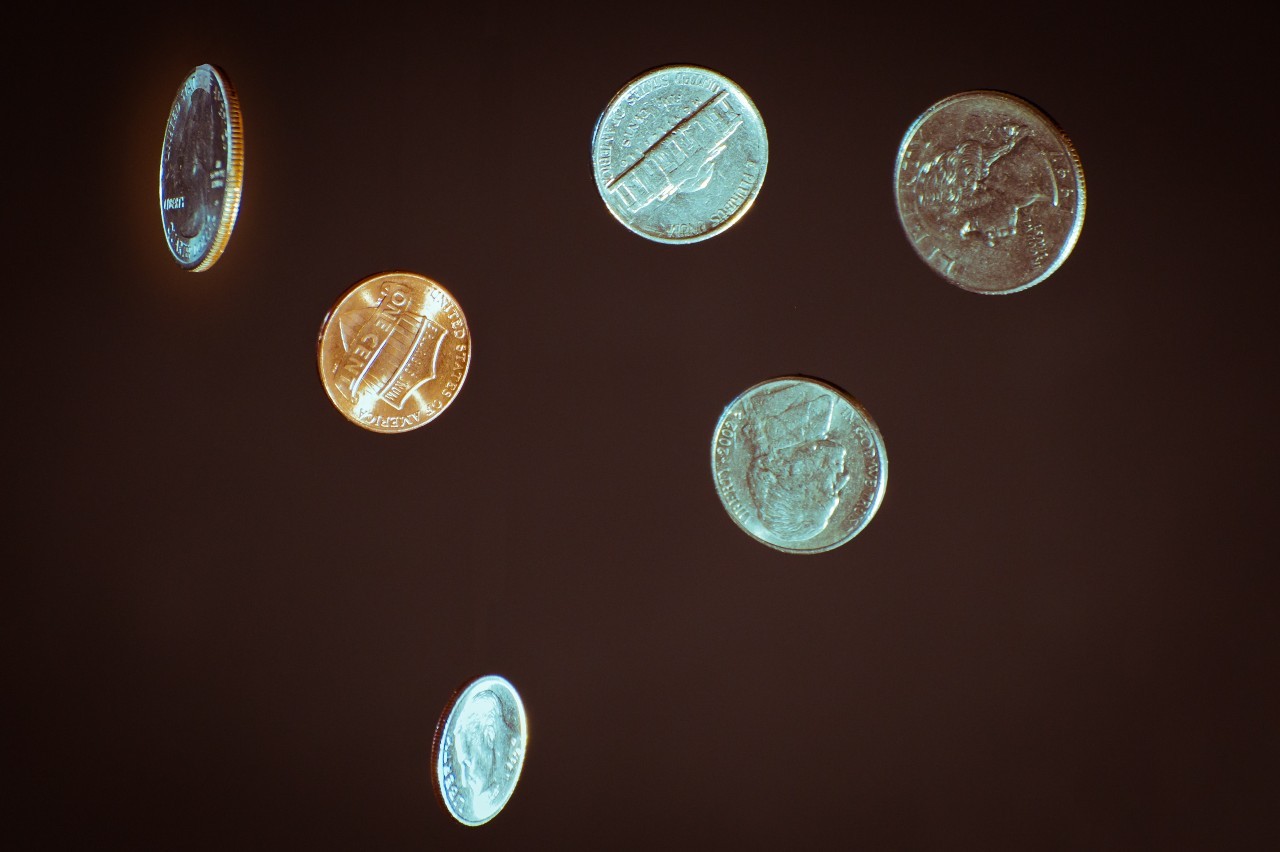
x,y
201,169
990,192
799,465
679,154
479,749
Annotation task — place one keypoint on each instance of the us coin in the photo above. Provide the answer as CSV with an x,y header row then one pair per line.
x,y
679,154
394,352
798,464
201,169
478,749
990,191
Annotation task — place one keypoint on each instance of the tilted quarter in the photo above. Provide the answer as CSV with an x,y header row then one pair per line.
x,y
201,168
394,352
478,750
798,464
990,191
679,154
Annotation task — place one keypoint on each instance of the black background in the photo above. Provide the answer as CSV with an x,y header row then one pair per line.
x,y
234,617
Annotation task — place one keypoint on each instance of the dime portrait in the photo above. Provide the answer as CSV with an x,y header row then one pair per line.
x,y
486,751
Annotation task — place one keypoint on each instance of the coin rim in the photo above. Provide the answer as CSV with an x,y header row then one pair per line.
x,y
324,326
1068,244
881,452
442,726
738,91
235,171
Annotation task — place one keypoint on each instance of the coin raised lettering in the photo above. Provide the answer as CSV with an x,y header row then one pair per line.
x,y
201,169
670,151
382,354
990,191
804,469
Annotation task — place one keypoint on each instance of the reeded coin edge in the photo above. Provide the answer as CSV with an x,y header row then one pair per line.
x,y
332,313
881,453
732,218
442,725
235,171
1068,244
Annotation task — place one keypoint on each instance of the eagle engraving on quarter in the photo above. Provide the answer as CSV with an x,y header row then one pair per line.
x,y
990,191
479,749
394,351
201,169
798,465
679,154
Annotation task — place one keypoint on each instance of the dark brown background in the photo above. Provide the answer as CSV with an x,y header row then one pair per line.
x,y
234,617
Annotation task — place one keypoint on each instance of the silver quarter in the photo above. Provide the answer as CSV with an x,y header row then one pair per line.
x,y
798,464
201,169
990,191
479,749
679,154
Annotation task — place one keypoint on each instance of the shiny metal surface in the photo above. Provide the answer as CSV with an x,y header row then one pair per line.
x,y
679,154
990,191
479,749
394,352
201,168
798,464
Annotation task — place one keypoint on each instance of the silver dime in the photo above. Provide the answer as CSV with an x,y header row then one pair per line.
x,y
479,749
679,154
798,464
990,191
201,169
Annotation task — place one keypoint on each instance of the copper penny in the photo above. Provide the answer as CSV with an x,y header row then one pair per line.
x,y
394,352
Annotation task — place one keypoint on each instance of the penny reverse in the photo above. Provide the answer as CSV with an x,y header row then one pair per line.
x,y
394,351
990,191
679,154
201,169
798,464
478,750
